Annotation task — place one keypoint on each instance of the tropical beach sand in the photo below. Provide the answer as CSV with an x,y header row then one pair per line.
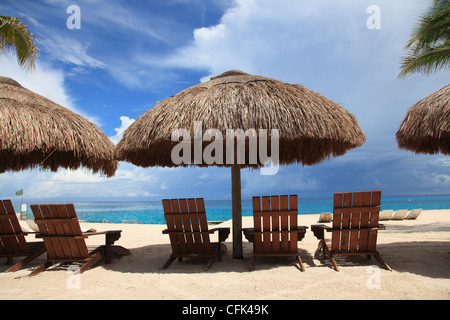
x,y
418,251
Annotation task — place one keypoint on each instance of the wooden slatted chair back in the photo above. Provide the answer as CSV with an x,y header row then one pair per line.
x,y
60,229
12,238
187,226
275,224
353,215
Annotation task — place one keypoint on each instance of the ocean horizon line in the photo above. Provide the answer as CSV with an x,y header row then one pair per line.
x,y
101,200
151,211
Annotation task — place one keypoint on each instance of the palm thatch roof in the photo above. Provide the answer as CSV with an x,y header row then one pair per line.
x,y
311,127
426,127
38,133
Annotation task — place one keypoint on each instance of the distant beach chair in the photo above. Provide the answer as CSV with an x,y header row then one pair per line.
x,y
399,215
65,242
188,231
12,239
386,215
355,227
326,217
275,232
413,214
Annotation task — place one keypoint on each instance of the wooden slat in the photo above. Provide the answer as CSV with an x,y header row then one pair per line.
x,y
365,220
187,227
79,248
353,216
275,225
7,244
193,211
186,221
10,225
257,224
345,236
337,222
206,243
354,223
266,224
177,222
57,211
170,225
276,235
61,232
374,216
42,228
285,221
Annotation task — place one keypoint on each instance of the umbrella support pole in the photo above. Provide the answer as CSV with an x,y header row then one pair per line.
x,y
237,211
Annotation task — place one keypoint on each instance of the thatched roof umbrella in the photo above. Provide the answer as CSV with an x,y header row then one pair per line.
x,y
38,133
311,127
426,127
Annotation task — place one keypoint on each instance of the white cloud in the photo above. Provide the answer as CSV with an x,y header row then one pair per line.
x,y
125,123
164,186
45,80
69,50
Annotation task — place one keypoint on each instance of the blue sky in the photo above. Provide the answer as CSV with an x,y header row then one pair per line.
x,y
128,55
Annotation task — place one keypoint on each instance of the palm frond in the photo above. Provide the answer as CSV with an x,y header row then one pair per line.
x,y
429,46
426,60
14,35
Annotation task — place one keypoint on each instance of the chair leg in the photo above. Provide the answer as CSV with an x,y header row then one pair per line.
x,y
333,262
168,263
302,268
93,260
211,261
381,262
26,261
41,269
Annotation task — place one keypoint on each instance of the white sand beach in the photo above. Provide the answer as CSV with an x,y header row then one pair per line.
x,y
418,251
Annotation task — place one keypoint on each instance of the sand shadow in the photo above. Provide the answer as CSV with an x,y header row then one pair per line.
x,y
426,258
151,258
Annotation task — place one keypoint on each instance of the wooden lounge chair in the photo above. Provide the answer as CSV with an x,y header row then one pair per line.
x,y
12,239
386,215
355,227
275,232
65,243
399,215
413,214
188,231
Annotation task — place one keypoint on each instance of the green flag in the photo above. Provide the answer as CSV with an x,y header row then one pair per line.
x,y
19,193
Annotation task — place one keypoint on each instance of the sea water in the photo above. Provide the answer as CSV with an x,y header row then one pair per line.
x,y
151,212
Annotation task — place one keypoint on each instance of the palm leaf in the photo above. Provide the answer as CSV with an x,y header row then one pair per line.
x,y
428,48
14,34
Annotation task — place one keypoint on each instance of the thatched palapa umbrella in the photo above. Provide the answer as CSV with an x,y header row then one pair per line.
x,y
426,127
38,133
311,127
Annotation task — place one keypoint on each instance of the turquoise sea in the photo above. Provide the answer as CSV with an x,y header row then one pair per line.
x,y
151,212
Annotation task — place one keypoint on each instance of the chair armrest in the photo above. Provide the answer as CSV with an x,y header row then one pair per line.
x,y
223,233
249,233
319,230
101,232
111,235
